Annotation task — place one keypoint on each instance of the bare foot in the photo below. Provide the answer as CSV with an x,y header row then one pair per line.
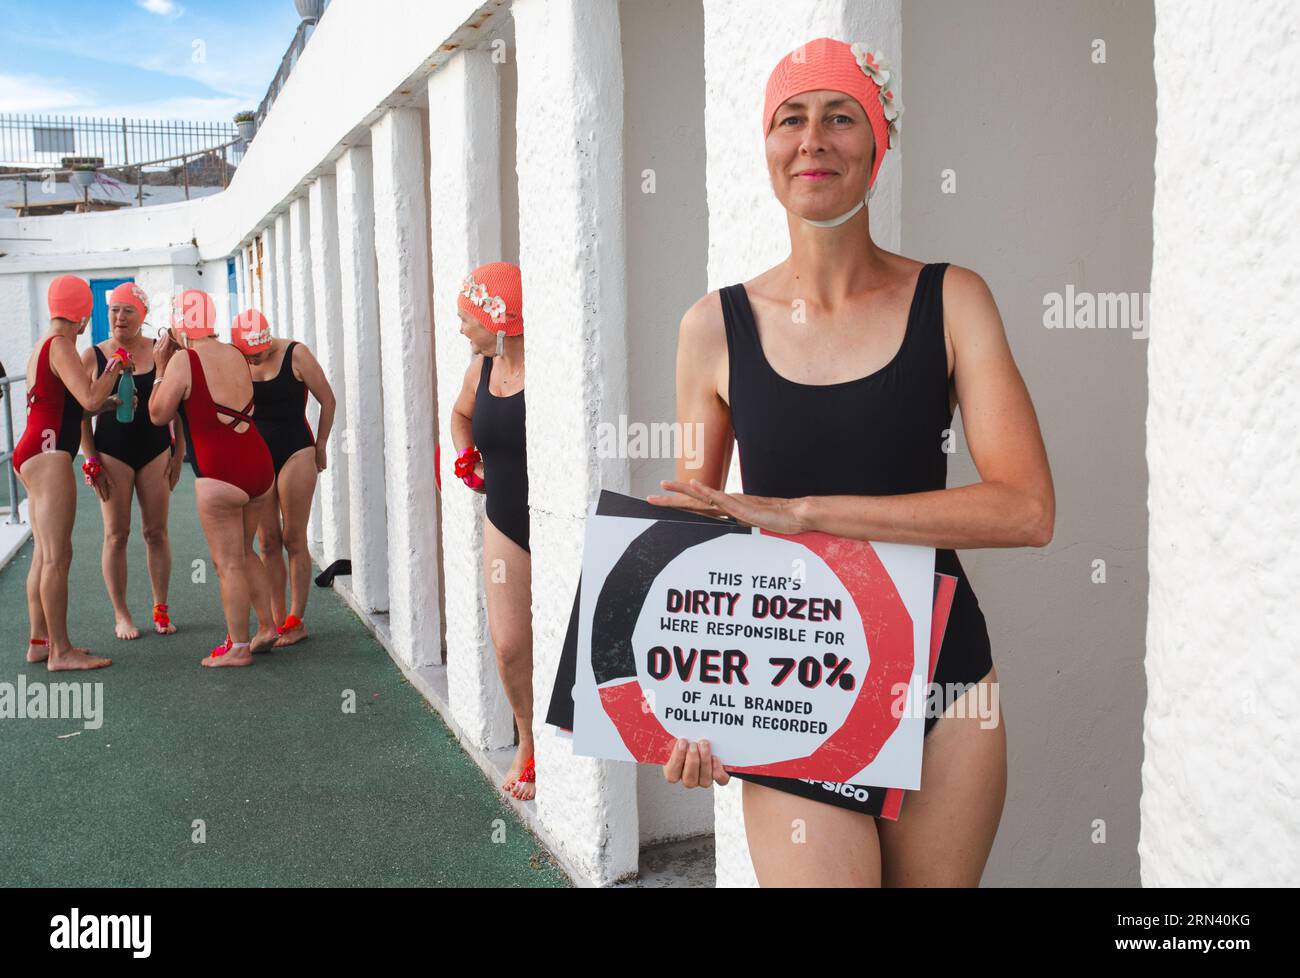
x,y
236,655
264,640
76,659
125,628
162,624
38,652
523,790
293,635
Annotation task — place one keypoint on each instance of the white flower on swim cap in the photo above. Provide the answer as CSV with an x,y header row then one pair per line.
x,y
477,293
258,338
874,65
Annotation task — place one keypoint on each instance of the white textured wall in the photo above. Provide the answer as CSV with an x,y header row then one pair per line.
x,y
363,438
571,252
465,204
301,261
747,225
327,344
406,331
1221,772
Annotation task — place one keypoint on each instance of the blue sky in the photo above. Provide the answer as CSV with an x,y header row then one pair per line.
x,y
144,59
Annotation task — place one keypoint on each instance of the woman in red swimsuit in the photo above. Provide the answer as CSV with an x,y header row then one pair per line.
x,y
231,462
58,393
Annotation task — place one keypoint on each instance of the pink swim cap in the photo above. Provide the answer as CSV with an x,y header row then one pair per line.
x,y
250,333
194,314
827,64
69,297
493,294
131,294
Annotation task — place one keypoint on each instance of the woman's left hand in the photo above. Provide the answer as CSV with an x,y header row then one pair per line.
x,y
767,512
320,456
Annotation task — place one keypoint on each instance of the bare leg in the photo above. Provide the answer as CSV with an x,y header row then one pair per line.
x,y
52,495
259,595
155,504
35,614
221,511
117,531
270,543
946,829
296,485
795,841
507,574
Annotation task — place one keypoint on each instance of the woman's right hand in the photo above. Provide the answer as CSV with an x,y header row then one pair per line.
x,y
694,765
478,471
103,485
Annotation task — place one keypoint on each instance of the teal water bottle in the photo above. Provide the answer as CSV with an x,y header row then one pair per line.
x,y
126,393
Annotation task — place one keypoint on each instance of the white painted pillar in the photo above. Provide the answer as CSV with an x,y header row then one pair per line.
x,y
241,279
282,324
571,243
304,328
328,347
1221,758
270,259
747,225
465,203
363,438
406,342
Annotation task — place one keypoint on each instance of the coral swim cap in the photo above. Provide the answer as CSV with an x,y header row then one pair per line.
x,y
250,333
70,298
493,294
131,294
827,64
194,314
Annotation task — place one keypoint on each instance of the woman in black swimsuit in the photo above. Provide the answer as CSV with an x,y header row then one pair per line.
x,y
488,421
842,414
284,371
134,456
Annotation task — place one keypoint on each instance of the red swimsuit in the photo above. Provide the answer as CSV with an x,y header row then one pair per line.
x,y
50,410
219,451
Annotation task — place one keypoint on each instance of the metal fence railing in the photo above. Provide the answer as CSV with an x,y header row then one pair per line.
x,y
290,59
32,141
210,167
7,447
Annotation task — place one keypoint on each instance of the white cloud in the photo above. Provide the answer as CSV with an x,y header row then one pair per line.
x,y
163,8
32,93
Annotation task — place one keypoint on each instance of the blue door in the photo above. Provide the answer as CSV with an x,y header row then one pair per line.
x,y
100,288
232,283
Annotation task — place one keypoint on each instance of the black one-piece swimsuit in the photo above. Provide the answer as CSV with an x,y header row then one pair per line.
x,y
280,412
136,442
498,427
878,435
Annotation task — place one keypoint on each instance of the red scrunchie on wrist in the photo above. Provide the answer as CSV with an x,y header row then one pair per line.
x,y
92,468
464,467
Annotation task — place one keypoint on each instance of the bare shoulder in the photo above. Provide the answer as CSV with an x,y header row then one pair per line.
x,y
966,296
702,328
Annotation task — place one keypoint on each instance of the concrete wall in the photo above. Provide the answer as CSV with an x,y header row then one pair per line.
x,y
1039,178
663,191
